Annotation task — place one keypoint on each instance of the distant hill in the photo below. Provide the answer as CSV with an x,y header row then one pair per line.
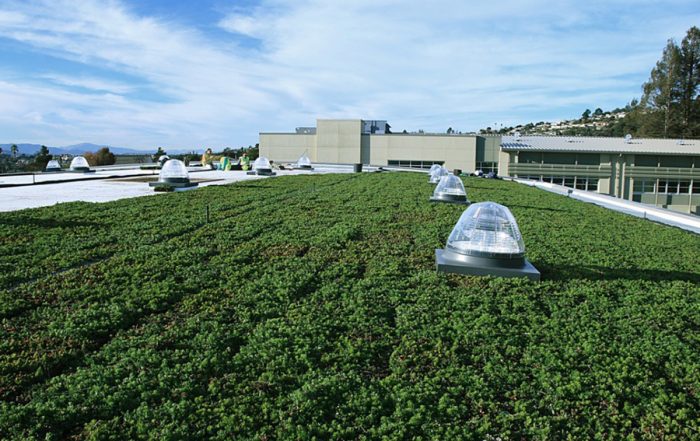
x,y
79,149
597,123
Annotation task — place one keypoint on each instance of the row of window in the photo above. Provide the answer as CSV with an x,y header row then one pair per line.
x,y
665,186
577,182
487,167
412,164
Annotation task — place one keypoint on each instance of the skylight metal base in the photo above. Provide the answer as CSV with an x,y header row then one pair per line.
x,y
173,184
81,170
263,172
53,170
450,199
304,167
449,262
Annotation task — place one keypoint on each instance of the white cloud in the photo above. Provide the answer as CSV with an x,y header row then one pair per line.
x,y
418,64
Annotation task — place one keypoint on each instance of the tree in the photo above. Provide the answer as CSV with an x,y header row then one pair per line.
x,y
160,152
42,157
689,78
13,149
660,94
670,99
598,112
450,131
586,115
102,157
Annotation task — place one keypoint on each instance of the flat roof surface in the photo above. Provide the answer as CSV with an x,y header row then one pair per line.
x,y
101,189
601,145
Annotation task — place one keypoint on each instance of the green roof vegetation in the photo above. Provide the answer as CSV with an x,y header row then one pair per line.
x,y
309,306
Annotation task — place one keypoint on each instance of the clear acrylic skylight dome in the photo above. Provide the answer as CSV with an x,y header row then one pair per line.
x,y
450,185
434,167
437,174
487,229
79,163
174,170
304,161
262,163
53,165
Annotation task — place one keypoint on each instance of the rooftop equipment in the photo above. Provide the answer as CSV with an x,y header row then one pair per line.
x,y
450,189
486,242
304,163
162,160
262,167
436,175
53,166
173,174
80,164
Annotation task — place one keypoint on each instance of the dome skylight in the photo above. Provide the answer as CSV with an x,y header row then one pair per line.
x,y
262,166
304,162
173,174
437,174
163,159
450,189
53,166
486,241
79,164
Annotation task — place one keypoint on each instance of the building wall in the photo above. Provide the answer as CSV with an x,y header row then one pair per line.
x,y
457,151
627,176
287,147
338,141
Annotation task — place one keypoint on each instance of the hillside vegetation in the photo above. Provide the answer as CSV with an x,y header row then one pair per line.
x,y
309,306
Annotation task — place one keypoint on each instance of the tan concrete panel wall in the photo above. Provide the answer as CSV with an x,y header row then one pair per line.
x,y
338,141
287,147
504,158
456,151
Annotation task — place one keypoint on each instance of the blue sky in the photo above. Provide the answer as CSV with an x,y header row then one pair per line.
x,y
185,74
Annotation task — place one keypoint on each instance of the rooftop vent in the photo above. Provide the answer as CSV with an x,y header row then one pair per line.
x,y
450,189
173,174
628,139
486,242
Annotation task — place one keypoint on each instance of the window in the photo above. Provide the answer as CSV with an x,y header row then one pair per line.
x,y
592,184
646,160
559,158
683,187
569,182
588,159
408,163
676,161
487,167
696,187
643,186
530,157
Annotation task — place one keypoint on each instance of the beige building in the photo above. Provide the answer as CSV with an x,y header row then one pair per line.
x,y
660,172
355,141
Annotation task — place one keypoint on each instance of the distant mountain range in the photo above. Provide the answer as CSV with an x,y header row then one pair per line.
x,y
79,149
